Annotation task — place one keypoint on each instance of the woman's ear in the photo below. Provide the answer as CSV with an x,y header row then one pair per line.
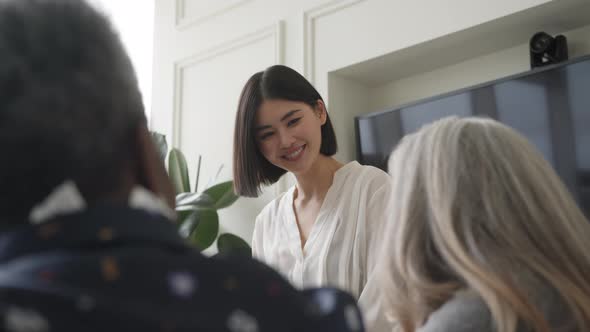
x,y
322,111
151,172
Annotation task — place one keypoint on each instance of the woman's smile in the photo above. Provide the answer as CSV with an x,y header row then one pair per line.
x,y
295,153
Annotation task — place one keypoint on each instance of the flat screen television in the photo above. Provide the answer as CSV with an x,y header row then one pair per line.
x,y
550,106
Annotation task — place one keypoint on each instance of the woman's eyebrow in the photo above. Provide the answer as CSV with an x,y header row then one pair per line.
x,y
289,114
285,117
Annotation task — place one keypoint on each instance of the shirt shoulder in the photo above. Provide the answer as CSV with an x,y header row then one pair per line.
x,y
465,312
367,176
279,303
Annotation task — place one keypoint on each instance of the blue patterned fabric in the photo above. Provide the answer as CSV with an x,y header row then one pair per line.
x,y
119,269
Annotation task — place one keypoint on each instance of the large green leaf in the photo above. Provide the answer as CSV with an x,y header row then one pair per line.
x,y
229,243
201,227
178,171
161,144
183,215
222,194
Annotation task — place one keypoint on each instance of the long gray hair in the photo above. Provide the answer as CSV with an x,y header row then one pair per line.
x,y
477,207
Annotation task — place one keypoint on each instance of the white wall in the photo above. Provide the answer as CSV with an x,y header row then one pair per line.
x,y
134,20
467,73
350,98
205,51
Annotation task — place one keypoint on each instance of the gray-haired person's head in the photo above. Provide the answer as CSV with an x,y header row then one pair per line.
x,y
69,103
477,207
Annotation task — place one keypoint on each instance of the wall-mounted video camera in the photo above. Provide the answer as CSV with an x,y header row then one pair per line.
x,y
546,50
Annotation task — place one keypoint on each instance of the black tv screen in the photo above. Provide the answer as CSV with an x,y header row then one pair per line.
x,y
550,106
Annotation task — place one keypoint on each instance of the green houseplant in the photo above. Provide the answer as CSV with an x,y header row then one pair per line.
x,y
198,220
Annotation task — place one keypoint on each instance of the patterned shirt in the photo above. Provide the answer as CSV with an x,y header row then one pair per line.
x,y
120,269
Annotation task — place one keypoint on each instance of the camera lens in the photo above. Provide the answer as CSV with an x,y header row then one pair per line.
x,y
540,43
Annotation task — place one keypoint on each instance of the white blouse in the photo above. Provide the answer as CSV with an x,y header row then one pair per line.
x,y
343,243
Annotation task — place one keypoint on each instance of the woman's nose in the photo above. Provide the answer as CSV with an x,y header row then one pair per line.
x,y
285,139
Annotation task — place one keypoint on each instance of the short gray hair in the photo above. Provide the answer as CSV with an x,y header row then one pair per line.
x,y
69,102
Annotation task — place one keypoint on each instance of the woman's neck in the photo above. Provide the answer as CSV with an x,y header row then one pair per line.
x,y
315,183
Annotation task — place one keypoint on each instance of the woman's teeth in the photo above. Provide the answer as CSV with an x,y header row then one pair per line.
x,y
294,154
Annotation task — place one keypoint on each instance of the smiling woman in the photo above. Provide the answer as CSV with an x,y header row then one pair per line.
x,y
134,20
324,230
287,133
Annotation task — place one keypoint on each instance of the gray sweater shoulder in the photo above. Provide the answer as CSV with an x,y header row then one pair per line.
x,y
465,312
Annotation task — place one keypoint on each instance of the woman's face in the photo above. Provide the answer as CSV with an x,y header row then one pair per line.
x,y
288,133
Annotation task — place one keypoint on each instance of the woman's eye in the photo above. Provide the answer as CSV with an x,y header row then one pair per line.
x,y
292,122
265,136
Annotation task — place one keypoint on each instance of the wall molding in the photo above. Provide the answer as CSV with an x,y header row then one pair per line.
x,y
183,22
309,20
274,31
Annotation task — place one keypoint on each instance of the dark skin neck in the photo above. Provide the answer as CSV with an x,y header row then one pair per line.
x,y
144,168
120,194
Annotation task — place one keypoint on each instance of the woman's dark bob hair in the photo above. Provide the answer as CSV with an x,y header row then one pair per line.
x,y
251,169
